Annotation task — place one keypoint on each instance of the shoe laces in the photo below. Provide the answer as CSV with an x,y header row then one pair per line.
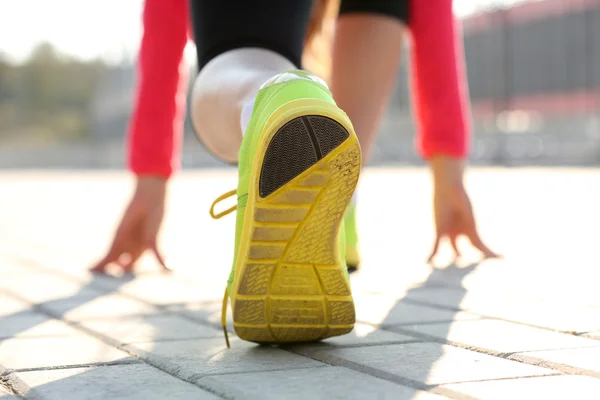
x,y
219,215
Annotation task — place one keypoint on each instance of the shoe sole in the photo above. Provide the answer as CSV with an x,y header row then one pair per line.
x,y
292,284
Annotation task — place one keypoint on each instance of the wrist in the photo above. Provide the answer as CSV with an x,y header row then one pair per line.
x,y
151,184
447,171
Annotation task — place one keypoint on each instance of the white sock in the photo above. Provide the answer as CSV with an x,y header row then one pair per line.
x,y
246,114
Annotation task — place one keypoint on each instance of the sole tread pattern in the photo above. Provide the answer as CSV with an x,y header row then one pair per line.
x,y
294,286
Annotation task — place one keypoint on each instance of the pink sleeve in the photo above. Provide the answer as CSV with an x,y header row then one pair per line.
x,y
156,125
439,85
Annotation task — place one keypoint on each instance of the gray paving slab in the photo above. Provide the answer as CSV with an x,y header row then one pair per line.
x,y
53,290
367,335
514,307
429,363
584,358
167,289
10,305
500,336
6,395
594,335
206,311
548,388
192,359
150,328
108,305
56,351
384,310
130,382
33,324
313,383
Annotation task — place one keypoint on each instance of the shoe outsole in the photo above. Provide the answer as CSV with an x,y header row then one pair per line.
x,y
293,286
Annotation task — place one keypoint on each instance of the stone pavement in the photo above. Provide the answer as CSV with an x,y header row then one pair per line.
x,y
524,327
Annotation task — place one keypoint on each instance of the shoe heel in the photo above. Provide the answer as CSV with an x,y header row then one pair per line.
x,y
293,284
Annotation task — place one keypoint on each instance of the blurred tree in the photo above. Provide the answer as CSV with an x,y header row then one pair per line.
x,y
49,95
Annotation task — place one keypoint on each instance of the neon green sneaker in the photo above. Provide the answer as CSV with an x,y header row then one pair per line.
x,y
298,167
351,231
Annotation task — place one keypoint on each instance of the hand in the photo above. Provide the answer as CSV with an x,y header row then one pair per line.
x,y
139,226
452,209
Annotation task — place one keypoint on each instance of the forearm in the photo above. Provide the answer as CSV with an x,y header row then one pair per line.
x,y
440,92
157,122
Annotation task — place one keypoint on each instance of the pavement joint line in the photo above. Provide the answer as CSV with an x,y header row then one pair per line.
x,y
4,383
111,342
34,264
319,346
2,338
335,361
200,376
507,378
75,366
164,308
536,362
483,316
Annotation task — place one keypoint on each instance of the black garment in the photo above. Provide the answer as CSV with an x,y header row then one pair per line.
x,y
277,25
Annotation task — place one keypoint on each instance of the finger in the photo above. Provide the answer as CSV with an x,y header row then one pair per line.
x,y
128,260
100,266
159,257
476,241
453,239
436,245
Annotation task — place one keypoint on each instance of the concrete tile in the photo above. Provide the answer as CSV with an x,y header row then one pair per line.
x,y
150,328
32,324
109,305
10,305
547,388
514,307
51,289
191,359
5,395
313,383
385,311
429,363
56,351
367,335
584,358
167,289
501,336
130,382
206,311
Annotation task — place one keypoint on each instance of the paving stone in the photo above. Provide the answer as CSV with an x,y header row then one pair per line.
x,y
585,358
313,383
207,311
150,328
166,289
56,351
367,335
50,289
32,324
594,335
9,305
501,336
429,363
385,311
137,381
513,307
548,388
5,395
109,305
191,359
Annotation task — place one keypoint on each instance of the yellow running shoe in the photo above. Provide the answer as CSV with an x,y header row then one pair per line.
x,y
298,168
352,250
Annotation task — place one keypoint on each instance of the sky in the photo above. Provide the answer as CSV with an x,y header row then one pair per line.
x,y
88,29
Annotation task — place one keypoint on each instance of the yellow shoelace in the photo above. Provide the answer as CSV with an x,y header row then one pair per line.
x,y
226,295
